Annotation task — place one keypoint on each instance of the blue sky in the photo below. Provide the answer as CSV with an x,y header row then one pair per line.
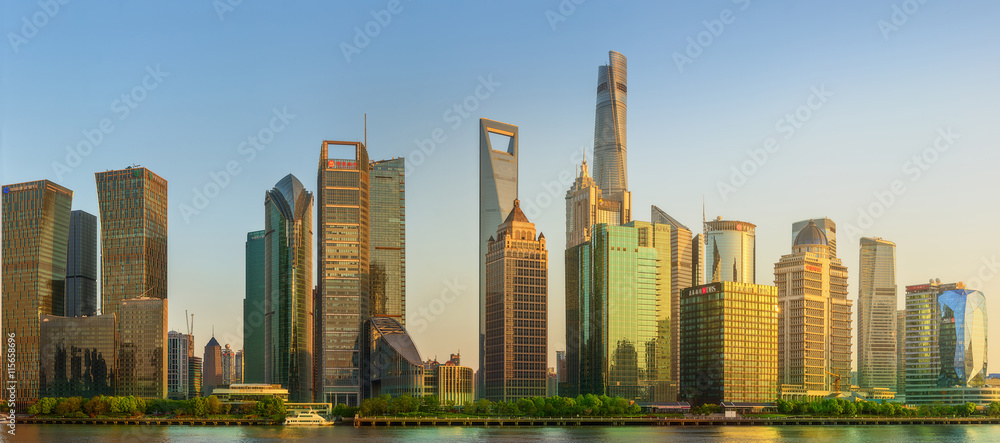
x,y
889,91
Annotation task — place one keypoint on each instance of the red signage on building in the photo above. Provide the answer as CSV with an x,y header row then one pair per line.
x,y
814,268
917,288
340,164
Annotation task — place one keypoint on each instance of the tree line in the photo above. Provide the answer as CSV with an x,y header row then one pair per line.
x,y
842,407
102,405
584,405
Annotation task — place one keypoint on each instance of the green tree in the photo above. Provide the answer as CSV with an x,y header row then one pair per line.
x,y
484,406
994,409
851,410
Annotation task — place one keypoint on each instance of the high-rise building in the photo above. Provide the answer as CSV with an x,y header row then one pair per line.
x,y
826,225
288,284
228,355
561,366
901,355
684,273
36,218
388,239
194,377
946,345
342,271
516,311
211,367
551,383
730,250
178,362
814,325
877,314
729,343
497,192
240,368
610,166
253,308
77,356
390,361
142,348
698,259
81,265
133,203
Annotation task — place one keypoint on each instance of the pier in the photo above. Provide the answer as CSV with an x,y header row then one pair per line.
x,y
657,421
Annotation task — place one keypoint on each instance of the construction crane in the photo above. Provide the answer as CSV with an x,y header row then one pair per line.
x,y
836,381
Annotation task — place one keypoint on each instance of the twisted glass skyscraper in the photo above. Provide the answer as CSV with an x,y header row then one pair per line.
x,y
610,168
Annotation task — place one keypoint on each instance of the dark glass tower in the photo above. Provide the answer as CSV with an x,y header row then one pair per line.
x,y
288,301
81,265
388,239
253,309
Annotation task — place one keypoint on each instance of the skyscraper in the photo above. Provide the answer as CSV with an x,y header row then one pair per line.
x,y
253,308
877,314
36,218
211,367
683,272
610,166
81,265
142,348
388,239
178,361
730,251
133,203
901,355
497,192
826,225
342,271
288,301
194,377
77,356
516,311
814,325
586,207
229,365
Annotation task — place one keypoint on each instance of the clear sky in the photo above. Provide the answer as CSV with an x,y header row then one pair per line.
x,y
199,78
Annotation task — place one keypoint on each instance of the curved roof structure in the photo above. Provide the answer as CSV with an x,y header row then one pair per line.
x,y
290,197
811,235
393,333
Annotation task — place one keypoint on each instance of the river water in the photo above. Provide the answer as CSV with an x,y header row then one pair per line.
x,y
748,434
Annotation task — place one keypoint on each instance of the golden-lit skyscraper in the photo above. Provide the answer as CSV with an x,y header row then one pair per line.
x,y
133,213
342,237
516,311
814,327
877,314
141,361
36,218
388,239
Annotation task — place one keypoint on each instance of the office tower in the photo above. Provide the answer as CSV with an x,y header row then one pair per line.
x,y
946,345
36,219
253,308
288,301
178,361
729,343
814,327
610,166
390,361
142,348
388,239
211,371
561,366
194,377
877,314
240,367
342,271
697,259
229,365
133,203
730,251
684,251
497,192
81,265
77,356
625,339
516,311
551,383
454,383
901,355
826,225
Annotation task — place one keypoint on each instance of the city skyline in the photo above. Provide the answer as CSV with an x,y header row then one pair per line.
x,y
865,142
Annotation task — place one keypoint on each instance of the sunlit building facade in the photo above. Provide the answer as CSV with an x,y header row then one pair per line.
x,y
81,265
36,217
211,367
610,165
729,343
133,213
877,314
178,362
826,225
387,272
516,311
730,251
391,362
77,356
684,273
141,366
342,272
194,377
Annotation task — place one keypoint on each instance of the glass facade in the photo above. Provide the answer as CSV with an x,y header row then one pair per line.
x,y
141,367
342,271
730,251
684,273
877,315
610,168
77,356
392,364
178,373
194,377
288,300
133,203
962,338
253,308
81,265
497,192
388,239
36,217
516,311
729,343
